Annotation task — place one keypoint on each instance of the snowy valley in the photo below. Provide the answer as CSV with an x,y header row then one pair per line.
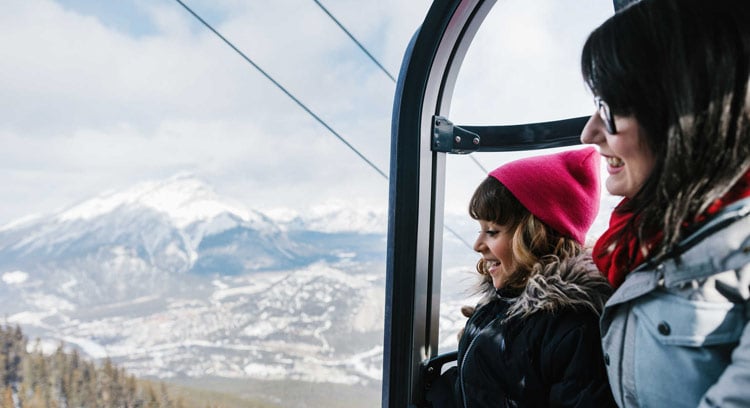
x,y
171,281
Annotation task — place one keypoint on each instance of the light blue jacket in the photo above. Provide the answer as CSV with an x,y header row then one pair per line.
x,y
676,333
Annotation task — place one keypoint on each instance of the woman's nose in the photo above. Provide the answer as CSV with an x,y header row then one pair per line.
x,y
478,244
593,132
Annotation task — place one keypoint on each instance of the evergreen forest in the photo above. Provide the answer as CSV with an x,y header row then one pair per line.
x,y
63,379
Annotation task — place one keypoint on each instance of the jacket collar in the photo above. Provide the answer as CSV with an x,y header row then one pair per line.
x,y
721,244
569,283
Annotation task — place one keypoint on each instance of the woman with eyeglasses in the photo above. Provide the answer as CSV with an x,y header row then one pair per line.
x,y
673,124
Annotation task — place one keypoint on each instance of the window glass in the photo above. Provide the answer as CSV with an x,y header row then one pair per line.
x,y
166,205
522,67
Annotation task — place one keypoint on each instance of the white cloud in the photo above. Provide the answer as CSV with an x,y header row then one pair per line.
x,y
15,277
89,106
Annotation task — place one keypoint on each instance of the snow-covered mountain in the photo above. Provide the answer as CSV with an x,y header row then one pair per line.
x,y
123,244
171,280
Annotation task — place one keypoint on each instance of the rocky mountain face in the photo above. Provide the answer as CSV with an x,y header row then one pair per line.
x,y
170,280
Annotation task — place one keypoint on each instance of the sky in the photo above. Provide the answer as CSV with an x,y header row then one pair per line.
x,y
99,96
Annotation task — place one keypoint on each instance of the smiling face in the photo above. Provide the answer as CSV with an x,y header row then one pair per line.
x,y
495,244
629,160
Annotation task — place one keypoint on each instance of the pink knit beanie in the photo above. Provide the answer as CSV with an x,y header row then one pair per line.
x,y
561,189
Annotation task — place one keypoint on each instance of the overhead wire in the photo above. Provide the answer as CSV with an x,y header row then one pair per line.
x,y
393,79
283,89
297,101
361,47
375,60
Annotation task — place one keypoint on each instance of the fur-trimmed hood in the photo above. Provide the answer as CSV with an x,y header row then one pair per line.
x,y
570,283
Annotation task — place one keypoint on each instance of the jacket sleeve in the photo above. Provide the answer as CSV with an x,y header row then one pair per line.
x,y
442,393
733,387
576,369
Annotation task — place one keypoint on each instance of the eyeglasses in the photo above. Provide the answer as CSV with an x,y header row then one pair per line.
x,y
603,108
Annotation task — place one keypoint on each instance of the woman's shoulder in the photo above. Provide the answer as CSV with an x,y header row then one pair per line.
x,y
716,252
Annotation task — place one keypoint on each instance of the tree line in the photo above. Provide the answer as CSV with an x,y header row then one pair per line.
x,y
63,379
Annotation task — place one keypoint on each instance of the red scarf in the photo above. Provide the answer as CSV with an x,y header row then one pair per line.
x,y
618,245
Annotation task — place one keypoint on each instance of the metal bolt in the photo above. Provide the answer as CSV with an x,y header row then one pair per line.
x,y
458,139
476,141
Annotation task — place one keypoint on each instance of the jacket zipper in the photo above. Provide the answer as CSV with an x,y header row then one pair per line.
x,y
461,371
466,356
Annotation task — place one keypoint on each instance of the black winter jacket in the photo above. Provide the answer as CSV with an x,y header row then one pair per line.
x,y
537,347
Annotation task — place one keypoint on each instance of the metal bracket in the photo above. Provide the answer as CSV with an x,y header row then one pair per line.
x,y
449,138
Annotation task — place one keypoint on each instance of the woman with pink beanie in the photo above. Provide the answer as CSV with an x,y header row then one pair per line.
x,y
533,340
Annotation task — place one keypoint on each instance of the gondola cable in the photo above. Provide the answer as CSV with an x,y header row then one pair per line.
x,y
361,47
382,68
375,60
298,102
278,85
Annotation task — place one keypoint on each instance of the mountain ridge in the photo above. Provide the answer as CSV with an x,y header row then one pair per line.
x,y
223,291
